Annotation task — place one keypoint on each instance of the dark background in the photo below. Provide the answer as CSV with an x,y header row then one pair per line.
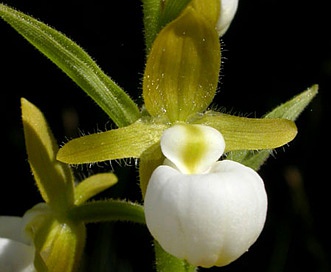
x,y
272,51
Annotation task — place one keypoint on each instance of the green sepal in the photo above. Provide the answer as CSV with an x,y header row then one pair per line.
x,y
60,244
150,159
165,262
108,210
54,179
35,220
181,73
76,63
93,185
289,110
126,142
253,159
242,133
54,236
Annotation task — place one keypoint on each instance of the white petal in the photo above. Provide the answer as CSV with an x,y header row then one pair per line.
x,y
11,227
228,10
192,148
207,219
15,256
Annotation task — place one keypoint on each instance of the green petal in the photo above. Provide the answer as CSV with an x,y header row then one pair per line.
x,y
76,63
54,179
182,69
241,133
93,185
126,142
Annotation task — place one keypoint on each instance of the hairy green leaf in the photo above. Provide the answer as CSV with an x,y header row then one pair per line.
x,y
76,63
289,110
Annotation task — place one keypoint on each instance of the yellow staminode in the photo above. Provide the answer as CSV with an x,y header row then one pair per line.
x,y
192,148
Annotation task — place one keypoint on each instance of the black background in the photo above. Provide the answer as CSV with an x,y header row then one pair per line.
x,y
272,51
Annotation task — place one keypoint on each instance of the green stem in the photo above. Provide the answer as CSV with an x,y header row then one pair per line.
x,y
108,210
151,10
157,14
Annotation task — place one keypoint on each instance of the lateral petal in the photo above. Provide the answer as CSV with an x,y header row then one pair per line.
x,y
126,142
242,133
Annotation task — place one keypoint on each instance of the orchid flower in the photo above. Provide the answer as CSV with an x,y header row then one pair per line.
x,y
179,84
205,211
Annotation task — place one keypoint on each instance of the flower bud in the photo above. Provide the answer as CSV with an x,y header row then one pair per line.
x,y
228,10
